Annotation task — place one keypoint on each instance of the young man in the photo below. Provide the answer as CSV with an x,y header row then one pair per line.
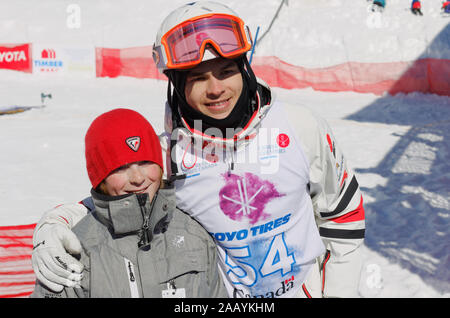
x,y
267,180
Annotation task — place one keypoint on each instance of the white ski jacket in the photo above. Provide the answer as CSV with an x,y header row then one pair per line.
x,y
267,196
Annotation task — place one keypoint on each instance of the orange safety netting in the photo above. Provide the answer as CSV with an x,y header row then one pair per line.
x,y
134,62
426,75
16,274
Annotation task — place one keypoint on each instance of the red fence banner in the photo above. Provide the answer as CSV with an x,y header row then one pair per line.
x,y
134,62
16,57
427,75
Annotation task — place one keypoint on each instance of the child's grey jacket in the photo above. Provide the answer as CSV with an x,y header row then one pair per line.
x,y
176,257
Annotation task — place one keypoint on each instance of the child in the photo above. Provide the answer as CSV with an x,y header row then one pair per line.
x,y
136,243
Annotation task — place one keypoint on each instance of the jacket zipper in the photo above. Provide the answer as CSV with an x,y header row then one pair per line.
x,y
146,234
131,278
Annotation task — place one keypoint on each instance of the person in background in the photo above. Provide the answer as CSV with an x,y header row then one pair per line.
x,y
446,7
267,179
378,5
135,243
416,7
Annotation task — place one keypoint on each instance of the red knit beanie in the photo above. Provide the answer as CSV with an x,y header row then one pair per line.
x,y
116,138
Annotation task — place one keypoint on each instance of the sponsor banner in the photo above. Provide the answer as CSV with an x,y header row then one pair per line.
x,y
16,57
53,60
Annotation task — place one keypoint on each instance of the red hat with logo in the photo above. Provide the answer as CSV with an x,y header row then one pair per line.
x,y
116,138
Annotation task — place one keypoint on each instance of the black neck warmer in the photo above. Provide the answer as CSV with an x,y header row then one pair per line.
x,y
239,116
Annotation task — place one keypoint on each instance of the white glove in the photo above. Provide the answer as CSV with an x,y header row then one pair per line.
x,y
52,242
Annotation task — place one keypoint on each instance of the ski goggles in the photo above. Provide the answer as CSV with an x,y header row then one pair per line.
x,y
185,44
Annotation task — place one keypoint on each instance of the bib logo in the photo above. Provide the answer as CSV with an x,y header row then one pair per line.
x,y
285,287
246,197
283,140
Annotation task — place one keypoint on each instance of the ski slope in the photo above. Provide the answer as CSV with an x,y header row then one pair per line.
x,y
398,145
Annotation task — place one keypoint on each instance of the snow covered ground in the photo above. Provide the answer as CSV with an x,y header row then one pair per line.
x,y
398,145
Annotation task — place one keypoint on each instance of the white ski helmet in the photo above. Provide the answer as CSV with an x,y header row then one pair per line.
x,y
197,32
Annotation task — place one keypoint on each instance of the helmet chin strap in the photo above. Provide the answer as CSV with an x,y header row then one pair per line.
x,y
247,71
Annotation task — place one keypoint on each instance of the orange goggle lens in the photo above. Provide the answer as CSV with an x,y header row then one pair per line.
x,y
185,43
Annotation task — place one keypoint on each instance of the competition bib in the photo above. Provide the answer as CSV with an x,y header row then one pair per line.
x,y
255,203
